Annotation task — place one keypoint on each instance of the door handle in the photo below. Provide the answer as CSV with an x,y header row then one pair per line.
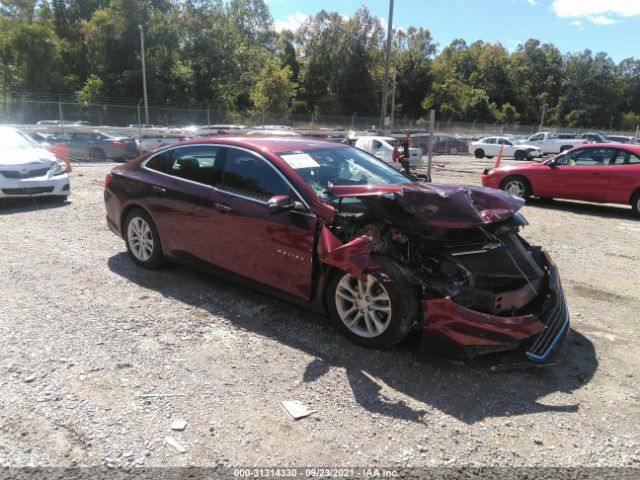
x,y
221,207
158,189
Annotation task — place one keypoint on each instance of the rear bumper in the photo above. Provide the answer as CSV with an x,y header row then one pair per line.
x,y
58,185
455,329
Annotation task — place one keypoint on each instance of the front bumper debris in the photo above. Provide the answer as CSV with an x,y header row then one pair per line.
x,y
448,326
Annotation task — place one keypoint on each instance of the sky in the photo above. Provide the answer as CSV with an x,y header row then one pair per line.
x,y
611,26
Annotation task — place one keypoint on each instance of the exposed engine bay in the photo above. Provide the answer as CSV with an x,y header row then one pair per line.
x,y
488,268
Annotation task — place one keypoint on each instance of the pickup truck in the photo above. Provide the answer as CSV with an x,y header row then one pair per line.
x,y
382,147
553,142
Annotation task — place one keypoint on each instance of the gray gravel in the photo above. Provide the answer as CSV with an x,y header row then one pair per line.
x,y
99,358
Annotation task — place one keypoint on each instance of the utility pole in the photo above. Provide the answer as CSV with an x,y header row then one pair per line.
x,y
393,101
353,118
383,113
432,121
144,76
544,109
139,121
611,124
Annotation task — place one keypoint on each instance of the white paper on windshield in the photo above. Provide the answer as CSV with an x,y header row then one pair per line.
x,y
300,160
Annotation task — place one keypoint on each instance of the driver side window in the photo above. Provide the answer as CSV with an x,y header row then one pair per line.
x,y
377,144
249,175
587,157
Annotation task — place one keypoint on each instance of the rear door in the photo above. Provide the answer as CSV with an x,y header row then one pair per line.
x,y
181,199
624,176
581,174
276,250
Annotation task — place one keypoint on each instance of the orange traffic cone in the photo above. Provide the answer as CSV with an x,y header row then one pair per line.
x,y
498,158
61,152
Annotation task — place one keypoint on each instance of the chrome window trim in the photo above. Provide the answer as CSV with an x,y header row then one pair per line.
x,y
143,165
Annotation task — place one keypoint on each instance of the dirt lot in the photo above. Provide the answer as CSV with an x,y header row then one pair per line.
x,y
99,357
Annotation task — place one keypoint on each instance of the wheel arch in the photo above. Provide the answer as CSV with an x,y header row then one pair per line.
x,y
520,176
633,195
125,212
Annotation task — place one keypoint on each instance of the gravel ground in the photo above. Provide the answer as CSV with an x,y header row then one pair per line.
x,y
100,357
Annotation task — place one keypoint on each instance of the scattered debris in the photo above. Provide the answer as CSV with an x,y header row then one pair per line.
x,y
295,409
30,378
175,444
179,424
537,441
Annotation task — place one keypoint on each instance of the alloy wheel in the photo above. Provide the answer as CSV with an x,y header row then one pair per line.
x,y
364,308
140,239
515,187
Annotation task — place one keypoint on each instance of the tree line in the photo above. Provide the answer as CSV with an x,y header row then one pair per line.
x,y
228,55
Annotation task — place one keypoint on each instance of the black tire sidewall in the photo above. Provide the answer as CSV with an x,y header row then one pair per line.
x,y
97,154
156,259
479,153
404,307
635,201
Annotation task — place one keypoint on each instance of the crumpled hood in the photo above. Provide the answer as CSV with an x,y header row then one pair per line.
x,y
415,205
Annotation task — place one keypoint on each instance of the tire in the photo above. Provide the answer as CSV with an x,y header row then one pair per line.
x,y
635,203
516,185
97,155
390,319
519,155
479,153
148,255
489,157
453,150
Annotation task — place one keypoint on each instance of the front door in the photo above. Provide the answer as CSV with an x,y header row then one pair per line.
x,y
581,174
273,249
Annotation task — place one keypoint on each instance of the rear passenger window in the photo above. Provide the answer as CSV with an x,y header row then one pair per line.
x,y
160,162
625,157
251,176
196,163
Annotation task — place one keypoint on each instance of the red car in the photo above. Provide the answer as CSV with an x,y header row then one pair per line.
x,y
608,173
333,228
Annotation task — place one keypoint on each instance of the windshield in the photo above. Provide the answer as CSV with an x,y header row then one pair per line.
x,y
14,140
340,166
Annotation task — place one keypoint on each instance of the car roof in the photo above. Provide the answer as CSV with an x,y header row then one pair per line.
x,y
621,146
272,144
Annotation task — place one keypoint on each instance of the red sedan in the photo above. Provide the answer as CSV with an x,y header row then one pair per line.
x,y
333,228
606,173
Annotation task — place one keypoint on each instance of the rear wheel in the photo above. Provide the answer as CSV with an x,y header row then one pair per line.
x,y
453,150
517,186
479,153
142,239
635,203
372,314
519,155
97,155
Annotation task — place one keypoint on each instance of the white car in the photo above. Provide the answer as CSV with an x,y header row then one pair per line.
x,y
382,147
490,147
28,170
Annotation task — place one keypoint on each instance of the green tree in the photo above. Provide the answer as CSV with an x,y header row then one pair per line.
x,y
273,89
91,91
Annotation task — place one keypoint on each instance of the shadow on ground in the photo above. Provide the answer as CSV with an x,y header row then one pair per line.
x,y
583,208
397,383
10,206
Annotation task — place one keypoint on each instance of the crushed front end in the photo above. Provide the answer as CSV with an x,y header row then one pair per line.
x,y
482,287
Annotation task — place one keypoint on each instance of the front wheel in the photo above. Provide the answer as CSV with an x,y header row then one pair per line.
x,y
142,239
97,155
517,186
519,155
372,314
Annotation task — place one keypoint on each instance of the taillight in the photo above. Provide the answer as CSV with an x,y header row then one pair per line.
x,y
117,143
107,179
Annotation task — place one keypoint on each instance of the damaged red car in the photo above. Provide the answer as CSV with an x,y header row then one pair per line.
x,y
333,228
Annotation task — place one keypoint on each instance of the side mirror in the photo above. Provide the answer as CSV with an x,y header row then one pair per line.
x,y
282,203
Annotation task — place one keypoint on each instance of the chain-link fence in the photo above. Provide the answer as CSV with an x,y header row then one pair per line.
x,y
29,112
